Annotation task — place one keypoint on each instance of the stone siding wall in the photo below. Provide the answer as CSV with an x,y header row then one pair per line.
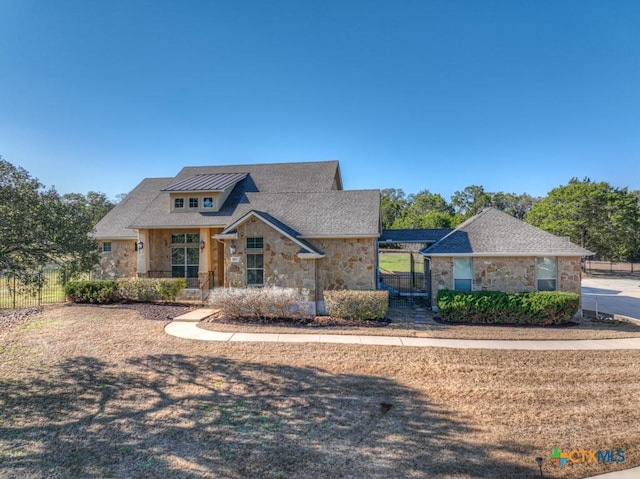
x,y
508,274
348,264
570,274
120,262
282,266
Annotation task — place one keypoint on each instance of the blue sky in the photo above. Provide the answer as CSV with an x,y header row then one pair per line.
x,y
515,95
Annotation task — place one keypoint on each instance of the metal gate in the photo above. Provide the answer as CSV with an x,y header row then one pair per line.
x,y
408,284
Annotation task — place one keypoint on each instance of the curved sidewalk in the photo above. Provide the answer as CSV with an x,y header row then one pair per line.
x,y
190,330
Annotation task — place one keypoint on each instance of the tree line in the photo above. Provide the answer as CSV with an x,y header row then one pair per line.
x,y
596,215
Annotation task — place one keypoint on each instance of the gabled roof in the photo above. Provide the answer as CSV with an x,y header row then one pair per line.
x,y
276,224
115,225
308,197
203,182
495,233
316,215
277,177
424,235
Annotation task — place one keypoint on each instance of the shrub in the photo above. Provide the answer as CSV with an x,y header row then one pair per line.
x,y
151,289
130,289
350,304
92,291
137,289
169,288
261,303
495,307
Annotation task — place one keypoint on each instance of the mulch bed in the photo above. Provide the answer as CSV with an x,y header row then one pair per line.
x,y
317,322
153,311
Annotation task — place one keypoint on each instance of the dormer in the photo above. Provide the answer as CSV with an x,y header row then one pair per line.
x,y
202,193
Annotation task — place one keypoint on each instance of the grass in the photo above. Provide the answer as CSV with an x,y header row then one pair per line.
x,y
396,262
117,397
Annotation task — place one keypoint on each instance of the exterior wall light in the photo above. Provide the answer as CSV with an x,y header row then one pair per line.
x,y
140,245
232,247
201,244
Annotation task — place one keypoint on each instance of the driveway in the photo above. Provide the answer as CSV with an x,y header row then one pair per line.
x,y
612,295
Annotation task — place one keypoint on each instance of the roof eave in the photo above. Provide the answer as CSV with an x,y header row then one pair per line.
x,y
520,255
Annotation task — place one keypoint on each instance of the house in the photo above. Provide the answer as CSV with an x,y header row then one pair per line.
x,y
287,224
495,251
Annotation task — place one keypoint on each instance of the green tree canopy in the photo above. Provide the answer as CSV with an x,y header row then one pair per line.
x,y
97,204
597,216
39,227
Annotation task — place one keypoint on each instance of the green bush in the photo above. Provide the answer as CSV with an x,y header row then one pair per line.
x,y
495,307
261,303
127,289
92,291
169,288
350,304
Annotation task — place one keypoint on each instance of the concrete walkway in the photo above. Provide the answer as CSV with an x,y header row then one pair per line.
x,y
188,329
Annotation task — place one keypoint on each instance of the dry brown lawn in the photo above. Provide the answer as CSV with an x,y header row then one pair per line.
x,y
93,392
585,329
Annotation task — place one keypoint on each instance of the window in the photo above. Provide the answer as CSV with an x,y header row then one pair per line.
x,y
178,203
547,273
462,274
106,246
185,238
193,202
207,202
255,243
184,264
255,269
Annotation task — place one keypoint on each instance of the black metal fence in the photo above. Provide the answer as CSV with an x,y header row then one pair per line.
x,y
192,283
49,289
401,284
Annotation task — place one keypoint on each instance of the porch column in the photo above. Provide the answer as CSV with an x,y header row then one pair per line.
x,y
143,253
204,263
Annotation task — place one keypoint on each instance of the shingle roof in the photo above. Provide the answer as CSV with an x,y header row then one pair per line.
x,y
115,225
330,213
286,229
277,177
428,235
307,202
493,232
204,182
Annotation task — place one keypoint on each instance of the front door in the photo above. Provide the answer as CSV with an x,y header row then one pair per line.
x,y
184,264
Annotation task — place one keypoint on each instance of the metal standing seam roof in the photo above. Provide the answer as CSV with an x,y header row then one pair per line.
x,y
207,182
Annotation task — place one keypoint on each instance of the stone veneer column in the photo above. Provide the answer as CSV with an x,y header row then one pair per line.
x,y
144,253
204,264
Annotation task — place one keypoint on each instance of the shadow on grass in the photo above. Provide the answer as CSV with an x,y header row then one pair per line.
x,y
178,416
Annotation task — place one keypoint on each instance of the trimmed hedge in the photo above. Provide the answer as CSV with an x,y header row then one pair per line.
x,y
495,307
350,304
92,291
127,289
261,303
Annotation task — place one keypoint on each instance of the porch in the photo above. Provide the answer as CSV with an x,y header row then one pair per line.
x,y
189,253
